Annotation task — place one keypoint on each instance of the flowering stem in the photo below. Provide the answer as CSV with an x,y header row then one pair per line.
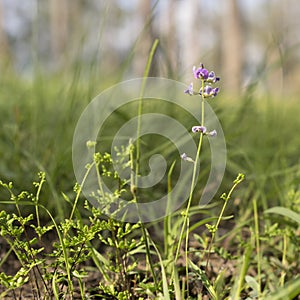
x,y
186,212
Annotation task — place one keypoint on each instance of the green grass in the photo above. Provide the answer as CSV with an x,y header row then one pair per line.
x,y
255,252
38,120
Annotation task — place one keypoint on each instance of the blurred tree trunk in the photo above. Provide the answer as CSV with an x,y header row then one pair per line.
x,y
5,55
146,39
189,35
76,12
59,19
171,38
232,50
291,71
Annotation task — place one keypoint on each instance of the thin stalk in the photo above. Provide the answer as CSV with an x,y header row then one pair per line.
x,y
31,254
64,248
215,228
187,257
144,232
99,180
167,219
42,180
283,261
134,177
186,213
256,224
188,220
140,110
78,192
120,265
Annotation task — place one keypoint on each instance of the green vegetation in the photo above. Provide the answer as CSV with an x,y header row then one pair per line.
x,y
255,251
58,246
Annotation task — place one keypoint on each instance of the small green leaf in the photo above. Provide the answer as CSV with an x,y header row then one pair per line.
x,y
204,280
253,285
66,198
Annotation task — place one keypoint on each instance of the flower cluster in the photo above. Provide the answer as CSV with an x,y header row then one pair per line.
x,y
209,91
203,74
203,129
208,78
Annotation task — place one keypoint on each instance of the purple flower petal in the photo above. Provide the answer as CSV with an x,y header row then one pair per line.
x,y
183,156
199,129
200,73
212,133
215,91
211,74
209,91
189,90
212,77
186,158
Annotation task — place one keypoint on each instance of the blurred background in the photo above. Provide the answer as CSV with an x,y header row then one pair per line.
x,y
56,55
239,38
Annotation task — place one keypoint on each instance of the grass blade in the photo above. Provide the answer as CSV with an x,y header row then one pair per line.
x,y
289,291
238,284
163,275
284,212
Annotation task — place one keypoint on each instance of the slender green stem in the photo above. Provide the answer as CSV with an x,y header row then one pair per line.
x,y
215,228
256,224
186,212
202,104
167,219
31,255
42,180
134,178
187,256
132,173
78,192
99,179
283,261
140,110
144,231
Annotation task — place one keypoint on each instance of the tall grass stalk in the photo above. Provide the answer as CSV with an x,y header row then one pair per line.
x,y
257,245
167,219
185,226
135,177
214,229
140,110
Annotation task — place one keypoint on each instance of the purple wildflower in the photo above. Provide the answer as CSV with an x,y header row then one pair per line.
x,y
200,73
183,156
209,91
212,133
186,158
199,129
212,77
189,90
203,130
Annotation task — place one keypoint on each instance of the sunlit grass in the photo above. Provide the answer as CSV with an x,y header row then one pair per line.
x,y
38,118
